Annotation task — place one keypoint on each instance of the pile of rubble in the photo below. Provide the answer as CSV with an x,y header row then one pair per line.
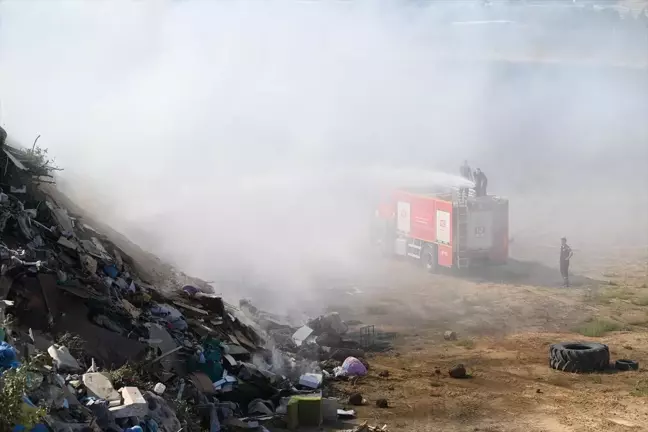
x,y
94,347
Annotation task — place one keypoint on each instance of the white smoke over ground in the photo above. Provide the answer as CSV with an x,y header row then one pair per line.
x,y
248,140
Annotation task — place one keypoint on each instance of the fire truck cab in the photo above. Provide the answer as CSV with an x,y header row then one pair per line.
x,y
445,227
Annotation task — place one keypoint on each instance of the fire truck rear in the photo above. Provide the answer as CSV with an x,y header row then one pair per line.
x,y
447,227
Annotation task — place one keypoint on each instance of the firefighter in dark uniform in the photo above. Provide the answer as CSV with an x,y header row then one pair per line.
x,y
481,183
565,255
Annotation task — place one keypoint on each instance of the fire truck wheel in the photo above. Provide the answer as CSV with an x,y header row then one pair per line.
x,y
430,258
579,357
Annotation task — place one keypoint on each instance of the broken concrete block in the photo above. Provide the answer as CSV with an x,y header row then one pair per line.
x,y
63,359
99,386
134,404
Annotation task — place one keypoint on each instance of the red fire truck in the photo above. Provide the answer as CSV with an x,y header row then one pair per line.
x,y
445,227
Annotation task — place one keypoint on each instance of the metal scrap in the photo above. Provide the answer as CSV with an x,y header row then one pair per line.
x,y
168,353
18,164
191,308
62,218
67,243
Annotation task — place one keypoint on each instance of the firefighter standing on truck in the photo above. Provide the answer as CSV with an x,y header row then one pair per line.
x,y
481,183
465,171
565,255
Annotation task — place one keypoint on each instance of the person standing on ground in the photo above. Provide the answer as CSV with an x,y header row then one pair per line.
x,y
481,182
565,255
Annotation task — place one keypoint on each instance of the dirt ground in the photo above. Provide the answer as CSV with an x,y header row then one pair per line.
x,y
505,319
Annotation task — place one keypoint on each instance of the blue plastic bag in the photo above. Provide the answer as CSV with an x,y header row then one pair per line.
x,y
8,356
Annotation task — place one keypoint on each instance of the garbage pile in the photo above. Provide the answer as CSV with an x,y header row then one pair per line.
x,y
88,345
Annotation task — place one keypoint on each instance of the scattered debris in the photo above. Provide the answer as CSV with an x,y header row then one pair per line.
x,y
356,399
459,371
450,336
98,385
346,414
351,367
364,427
384,374
63,359
301,335
156,358
382,403
311,380
134,404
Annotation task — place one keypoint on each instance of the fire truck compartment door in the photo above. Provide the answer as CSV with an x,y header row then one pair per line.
x,y
480,230
443,227
403,219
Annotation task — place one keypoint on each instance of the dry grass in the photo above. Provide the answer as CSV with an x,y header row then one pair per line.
x,y
559,379
640,389
596,379
512,384
639,319
466,409
598,327
609,295
466,343
641,301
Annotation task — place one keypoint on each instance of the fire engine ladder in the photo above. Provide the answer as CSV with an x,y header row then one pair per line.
x,y
462,227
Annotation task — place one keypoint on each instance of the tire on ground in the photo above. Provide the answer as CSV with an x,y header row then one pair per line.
x,y
626,365
579,357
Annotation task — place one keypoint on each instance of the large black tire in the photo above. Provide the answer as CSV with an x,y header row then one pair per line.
x,y
579,357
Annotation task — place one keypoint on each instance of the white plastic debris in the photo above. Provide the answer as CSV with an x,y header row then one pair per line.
x,y
311,380
63,359
159,388
301,335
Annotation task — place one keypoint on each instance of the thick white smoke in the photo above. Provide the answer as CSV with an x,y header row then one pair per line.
x,y
248,139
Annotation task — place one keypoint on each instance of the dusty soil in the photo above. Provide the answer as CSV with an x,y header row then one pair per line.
x,y
506,319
